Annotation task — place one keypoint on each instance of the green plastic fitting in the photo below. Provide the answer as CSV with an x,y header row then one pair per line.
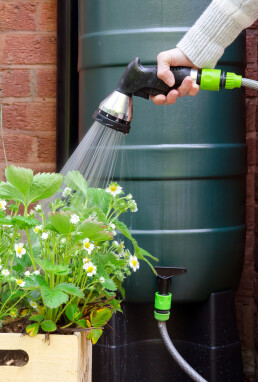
x,y
163,305
210,79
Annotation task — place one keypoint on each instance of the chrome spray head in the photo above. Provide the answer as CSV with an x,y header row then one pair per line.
x,y
116,111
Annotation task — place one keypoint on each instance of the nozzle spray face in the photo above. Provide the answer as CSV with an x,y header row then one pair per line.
x,y
116,112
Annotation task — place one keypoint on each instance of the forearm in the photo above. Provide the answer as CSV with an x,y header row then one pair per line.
x,y
217,28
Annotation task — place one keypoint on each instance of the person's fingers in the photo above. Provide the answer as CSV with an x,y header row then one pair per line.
x,y
164,72
185,87
171,97
159,99
194,90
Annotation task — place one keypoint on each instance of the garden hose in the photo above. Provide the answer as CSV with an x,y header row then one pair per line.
x,y
177,357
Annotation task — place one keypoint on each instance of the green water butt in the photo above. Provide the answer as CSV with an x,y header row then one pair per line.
x,y
185,164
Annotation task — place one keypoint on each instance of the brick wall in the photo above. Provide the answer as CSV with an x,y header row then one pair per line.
x,y
247,295
28,82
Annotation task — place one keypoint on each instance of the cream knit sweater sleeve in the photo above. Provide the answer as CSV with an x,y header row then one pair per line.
x,y
217,28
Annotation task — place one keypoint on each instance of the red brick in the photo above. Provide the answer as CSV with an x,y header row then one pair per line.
x,y
251,46
250,114
250,219
15,83
17,16
48,16
19,148
251,150
29,49
46,83
250,196
47,149
30,116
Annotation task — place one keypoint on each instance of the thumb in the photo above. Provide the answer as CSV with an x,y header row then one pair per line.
x,y
164,72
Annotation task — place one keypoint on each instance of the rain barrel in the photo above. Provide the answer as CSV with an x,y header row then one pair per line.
x,y
184,164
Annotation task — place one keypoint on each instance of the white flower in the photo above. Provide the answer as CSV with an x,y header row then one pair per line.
x,y
44,236
129,196
33,304
20,282
27,273
85,260
67,192
112,225
38,208
88,246
32,213
20,251
90,268
101,280
37,228
114,189
115,243
133,206
74,219
134,263
63,240
5,272
3,205
36,273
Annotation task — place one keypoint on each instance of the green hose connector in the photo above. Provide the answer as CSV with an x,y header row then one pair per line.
x,y
214,79
233,81
162,306
210,79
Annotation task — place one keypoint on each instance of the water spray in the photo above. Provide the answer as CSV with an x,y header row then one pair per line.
x,y
116,111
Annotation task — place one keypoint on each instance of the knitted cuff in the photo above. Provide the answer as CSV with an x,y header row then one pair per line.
x,y
217,27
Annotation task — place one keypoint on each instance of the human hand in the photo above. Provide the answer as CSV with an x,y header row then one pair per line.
x,y
174,57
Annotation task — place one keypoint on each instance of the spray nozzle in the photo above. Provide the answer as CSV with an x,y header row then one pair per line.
x,y
116,111
163,298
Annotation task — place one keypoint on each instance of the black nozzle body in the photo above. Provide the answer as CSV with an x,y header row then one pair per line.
x,y
142,81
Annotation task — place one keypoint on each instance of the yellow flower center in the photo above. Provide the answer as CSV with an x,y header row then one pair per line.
x,y
113,188
1,205
87,245
90,269
19,250
134,262
19,282
36,229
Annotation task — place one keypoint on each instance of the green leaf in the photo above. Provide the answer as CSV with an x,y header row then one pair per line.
x,y
94,231
36,317
99,198
22,222
71,311
70,288
22,263
61,222
9,192
109,284
53,298
55,269
32,329
76,181
100,317
48,326
8,295
35,282
125,231
44,185
82,323
94,335
21,178
115,304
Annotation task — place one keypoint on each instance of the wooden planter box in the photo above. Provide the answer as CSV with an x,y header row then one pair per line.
x,y
65,359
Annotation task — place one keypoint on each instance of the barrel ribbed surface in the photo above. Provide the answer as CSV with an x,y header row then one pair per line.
x,y
184,164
